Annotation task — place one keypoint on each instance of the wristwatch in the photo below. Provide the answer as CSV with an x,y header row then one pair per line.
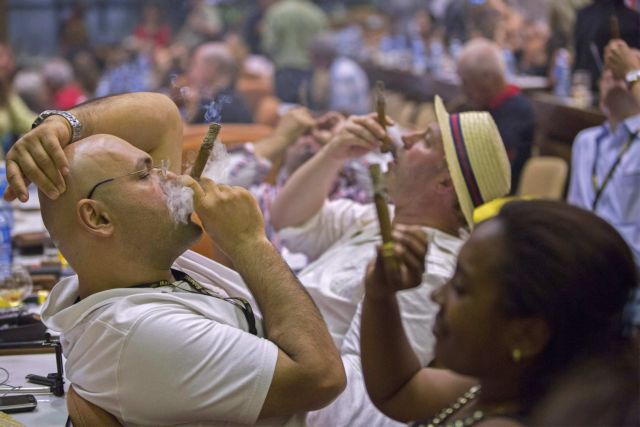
x,y
632,77
76,126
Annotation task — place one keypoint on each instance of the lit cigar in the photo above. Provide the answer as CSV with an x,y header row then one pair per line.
x,y
387,144
390,263
205,150
615,27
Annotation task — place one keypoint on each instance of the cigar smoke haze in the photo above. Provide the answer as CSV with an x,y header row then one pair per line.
x,y
179,200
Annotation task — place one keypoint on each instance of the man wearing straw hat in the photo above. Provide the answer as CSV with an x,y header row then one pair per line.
x,y
441,174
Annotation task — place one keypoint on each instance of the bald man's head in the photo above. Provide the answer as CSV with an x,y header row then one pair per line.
x,y
128,215
90,160
482,71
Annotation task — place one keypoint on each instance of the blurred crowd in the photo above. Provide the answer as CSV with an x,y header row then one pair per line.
x,y
307,54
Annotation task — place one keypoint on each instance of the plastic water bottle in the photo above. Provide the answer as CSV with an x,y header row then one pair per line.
x,y
562,74
6,222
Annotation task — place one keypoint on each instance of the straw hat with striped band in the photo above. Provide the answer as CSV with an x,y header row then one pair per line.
x,y
476,157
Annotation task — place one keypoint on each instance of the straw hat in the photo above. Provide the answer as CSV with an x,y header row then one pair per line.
x,y
476,157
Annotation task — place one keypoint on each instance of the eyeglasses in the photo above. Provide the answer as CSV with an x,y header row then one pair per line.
x,y
142,173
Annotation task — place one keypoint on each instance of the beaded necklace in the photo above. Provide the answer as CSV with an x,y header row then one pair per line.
x,y
438,420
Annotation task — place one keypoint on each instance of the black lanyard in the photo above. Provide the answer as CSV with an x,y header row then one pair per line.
x,y
183,277
599,189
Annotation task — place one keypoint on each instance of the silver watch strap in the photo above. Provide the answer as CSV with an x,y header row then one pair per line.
x,y
76,126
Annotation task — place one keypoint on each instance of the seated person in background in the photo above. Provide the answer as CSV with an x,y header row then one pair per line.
x,y
538,289
63,86
339,236
482,73
594,27
209,94
152,28
296,138
203,24
151,333
533,57
624,62
605,163
339,83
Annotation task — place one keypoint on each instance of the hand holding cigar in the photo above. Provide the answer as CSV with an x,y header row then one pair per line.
x,y
205,150
387,144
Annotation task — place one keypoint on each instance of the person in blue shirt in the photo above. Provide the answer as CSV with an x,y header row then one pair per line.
x,y
605,168
605,164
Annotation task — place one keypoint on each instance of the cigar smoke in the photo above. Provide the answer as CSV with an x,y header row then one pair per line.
x,y
179,200
217,167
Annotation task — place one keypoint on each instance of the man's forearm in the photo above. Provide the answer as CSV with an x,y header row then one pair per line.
x,y
271,147
291,319
388,361
305,192
149,121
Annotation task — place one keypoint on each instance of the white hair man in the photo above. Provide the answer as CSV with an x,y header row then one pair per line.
x,y
440,175
482,73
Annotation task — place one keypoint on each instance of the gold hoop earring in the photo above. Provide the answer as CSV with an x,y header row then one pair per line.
x,y
516,355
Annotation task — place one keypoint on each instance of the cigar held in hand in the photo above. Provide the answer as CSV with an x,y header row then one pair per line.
x,y
205,150
387,144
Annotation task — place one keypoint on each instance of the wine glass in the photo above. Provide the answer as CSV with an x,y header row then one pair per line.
x,y
15,285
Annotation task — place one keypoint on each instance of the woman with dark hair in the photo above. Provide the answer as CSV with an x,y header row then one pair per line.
x,y
538,289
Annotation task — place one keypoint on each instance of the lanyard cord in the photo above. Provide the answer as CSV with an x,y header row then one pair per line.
x,y
183,277
594,178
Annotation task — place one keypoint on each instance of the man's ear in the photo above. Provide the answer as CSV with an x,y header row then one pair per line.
x,y
529,336
95,219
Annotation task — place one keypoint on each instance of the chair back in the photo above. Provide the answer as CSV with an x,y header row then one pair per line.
x,y
85,414
545,177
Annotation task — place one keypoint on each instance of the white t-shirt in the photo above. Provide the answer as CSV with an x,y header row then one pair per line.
x,y
157,356
340,241
345,233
